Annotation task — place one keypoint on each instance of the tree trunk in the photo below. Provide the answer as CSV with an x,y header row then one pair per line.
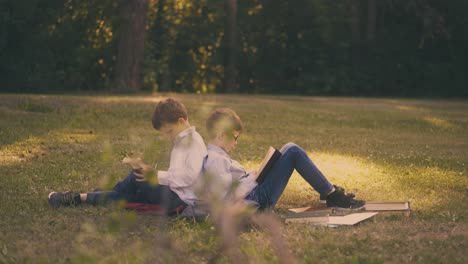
x,y
130,46
231,48
371,19
163,53
355,24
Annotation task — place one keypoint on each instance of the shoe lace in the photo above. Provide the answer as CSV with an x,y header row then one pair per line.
x,y
339,188
67,198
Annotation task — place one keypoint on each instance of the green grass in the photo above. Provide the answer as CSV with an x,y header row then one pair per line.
x,y
383,149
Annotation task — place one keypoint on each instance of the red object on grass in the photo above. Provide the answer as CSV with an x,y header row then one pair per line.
x,y
153,209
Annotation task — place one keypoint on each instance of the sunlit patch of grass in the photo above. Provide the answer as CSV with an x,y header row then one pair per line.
x,y
21,151
34,147
345,169
128,99
406,108
439,122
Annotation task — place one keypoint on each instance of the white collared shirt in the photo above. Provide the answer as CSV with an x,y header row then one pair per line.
x,y
186,164
229,180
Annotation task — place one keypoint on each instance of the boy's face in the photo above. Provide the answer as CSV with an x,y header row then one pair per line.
x,y
171,130
229,140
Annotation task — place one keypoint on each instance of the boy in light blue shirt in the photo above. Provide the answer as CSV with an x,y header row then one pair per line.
x,y
229,180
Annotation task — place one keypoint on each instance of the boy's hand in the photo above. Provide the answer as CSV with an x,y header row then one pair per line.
x,y
139,176
146,174
139,168
254,172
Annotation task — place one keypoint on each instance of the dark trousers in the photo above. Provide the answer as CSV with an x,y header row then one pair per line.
x,y
133,191
293,157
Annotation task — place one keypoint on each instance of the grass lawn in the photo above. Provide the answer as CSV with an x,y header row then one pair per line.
x,y
382,149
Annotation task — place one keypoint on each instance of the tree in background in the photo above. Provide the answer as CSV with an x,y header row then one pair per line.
x,y
56,45
163,51
231,48
130,47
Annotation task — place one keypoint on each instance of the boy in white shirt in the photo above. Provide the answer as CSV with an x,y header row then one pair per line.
x,y
176,185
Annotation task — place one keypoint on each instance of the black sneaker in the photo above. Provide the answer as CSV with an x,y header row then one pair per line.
x,y
323,197
57,199
338,199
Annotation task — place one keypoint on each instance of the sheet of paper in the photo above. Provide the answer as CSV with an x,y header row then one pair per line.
x,y
350,219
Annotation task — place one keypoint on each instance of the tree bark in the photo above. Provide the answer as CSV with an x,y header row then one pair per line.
x,y
130,46
355,24
231,48
163,54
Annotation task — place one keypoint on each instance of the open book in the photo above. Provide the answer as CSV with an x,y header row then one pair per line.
x,y
268,161
136,164
320,218
308,217
139,166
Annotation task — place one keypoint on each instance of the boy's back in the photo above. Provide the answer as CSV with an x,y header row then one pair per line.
x,y
186,164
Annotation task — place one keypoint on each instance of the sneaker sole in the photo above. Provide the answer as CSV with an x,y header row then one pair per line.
x,y
50,194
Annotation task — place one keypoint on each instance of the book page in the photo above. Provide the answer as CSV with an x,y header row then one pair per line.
x,y
300,209
314,219
136,163
350,219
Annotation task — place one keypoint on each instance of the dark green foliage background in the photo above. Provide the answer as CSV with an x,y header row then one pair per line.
x,y
287,47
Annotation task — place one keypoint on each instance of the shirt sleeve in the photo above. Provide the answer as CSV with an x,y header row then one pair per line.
x,y
163,177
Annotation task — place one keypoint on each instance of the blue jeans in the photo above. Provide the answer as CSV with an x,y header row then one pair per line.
x,y
133,191
293,157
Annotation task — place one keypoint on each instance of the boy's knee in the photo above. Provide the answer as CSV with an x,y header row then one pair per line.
x,y
289,147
